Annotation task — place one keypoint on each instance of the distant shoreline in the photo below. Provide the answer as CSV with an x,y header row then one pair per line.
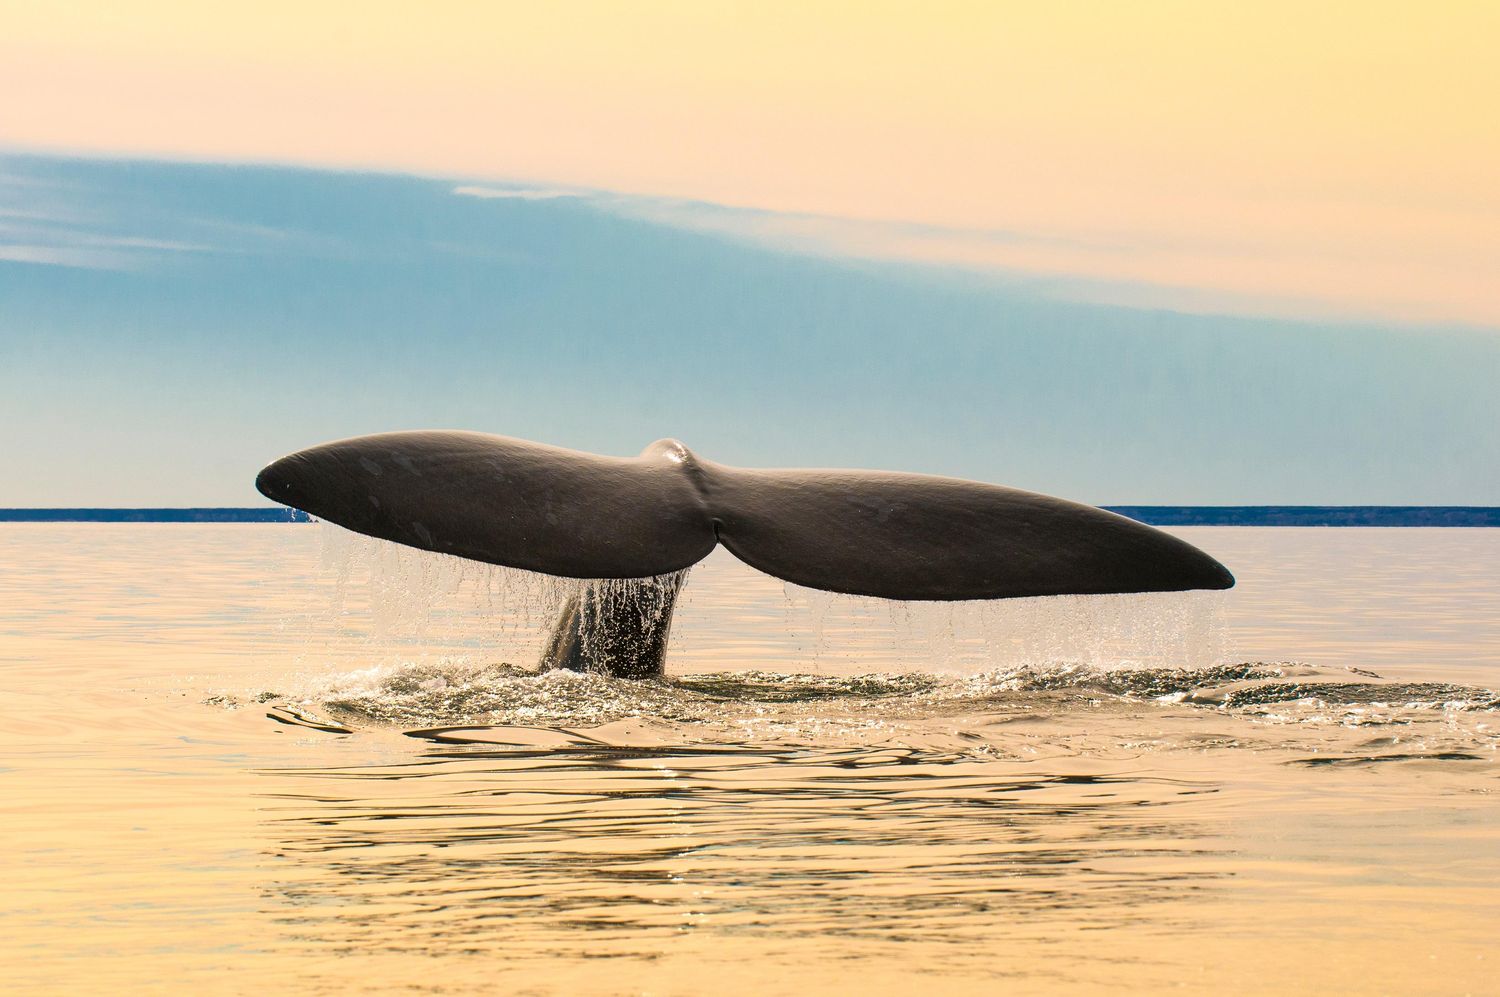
x,y
1155,515
278,514
1311,515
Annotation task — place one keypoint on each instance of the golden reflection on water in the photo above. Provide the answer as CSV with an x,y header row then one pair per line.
x,y
767,835
568,848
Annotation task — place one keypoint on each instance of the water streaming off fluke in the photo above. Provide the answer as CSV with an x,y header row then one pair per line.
x,y
396,596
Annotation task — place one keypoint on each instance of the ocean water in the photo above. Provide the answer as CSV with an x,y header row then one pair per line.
x,y
239,757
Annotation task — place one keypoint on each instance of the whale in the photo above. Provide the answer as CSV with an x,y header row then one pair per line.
x,y
889,535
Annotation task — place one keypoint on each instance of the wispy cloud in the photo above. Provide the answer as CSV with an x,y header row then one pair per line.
x,y
514,193
60,223
1253,275
1247,273
65,256
46,241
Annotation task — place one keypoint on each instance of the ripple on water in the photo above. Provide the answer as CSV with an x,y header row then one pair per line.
x,y
546,818
534,841
542,815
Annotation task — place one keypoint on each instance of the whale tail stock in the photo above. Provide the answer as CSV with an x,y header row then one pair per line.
x,y
562,512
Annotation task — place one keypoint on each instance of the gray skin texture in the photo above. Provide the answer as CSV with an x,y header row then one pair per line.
x,y
874,533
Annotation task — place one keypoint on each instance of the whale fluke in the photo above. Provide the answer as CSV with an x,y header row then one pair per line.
x,y
562,512
502,501
917,537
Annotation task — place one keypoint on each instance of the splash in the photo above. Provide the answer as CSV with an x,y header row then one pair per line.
x,y
949,712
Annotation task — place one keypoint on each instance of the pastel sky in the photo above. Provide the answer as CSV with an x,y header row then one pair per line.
x,y
1156,251
1330,157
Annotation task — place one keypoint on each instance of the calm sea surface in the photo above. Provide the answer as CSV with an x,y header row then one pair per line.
x,y
237,758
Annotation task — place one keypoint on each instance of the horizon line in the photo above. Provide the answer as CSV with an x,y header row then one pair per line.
x,y
1152,515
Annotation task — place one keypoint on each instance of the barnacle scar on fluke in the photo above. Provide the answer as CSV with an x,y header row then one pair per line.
x,y
648,518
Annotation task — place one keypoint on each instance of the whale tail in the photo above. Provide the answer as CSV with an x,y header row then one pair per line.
x,y
873,533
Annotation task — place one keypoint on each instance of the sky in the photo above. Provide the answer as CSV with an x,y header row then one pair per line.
x,y
1127,253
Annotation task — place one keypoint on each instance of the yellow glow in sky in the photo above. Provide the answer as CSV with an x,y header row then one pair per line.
x,y
1316,157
